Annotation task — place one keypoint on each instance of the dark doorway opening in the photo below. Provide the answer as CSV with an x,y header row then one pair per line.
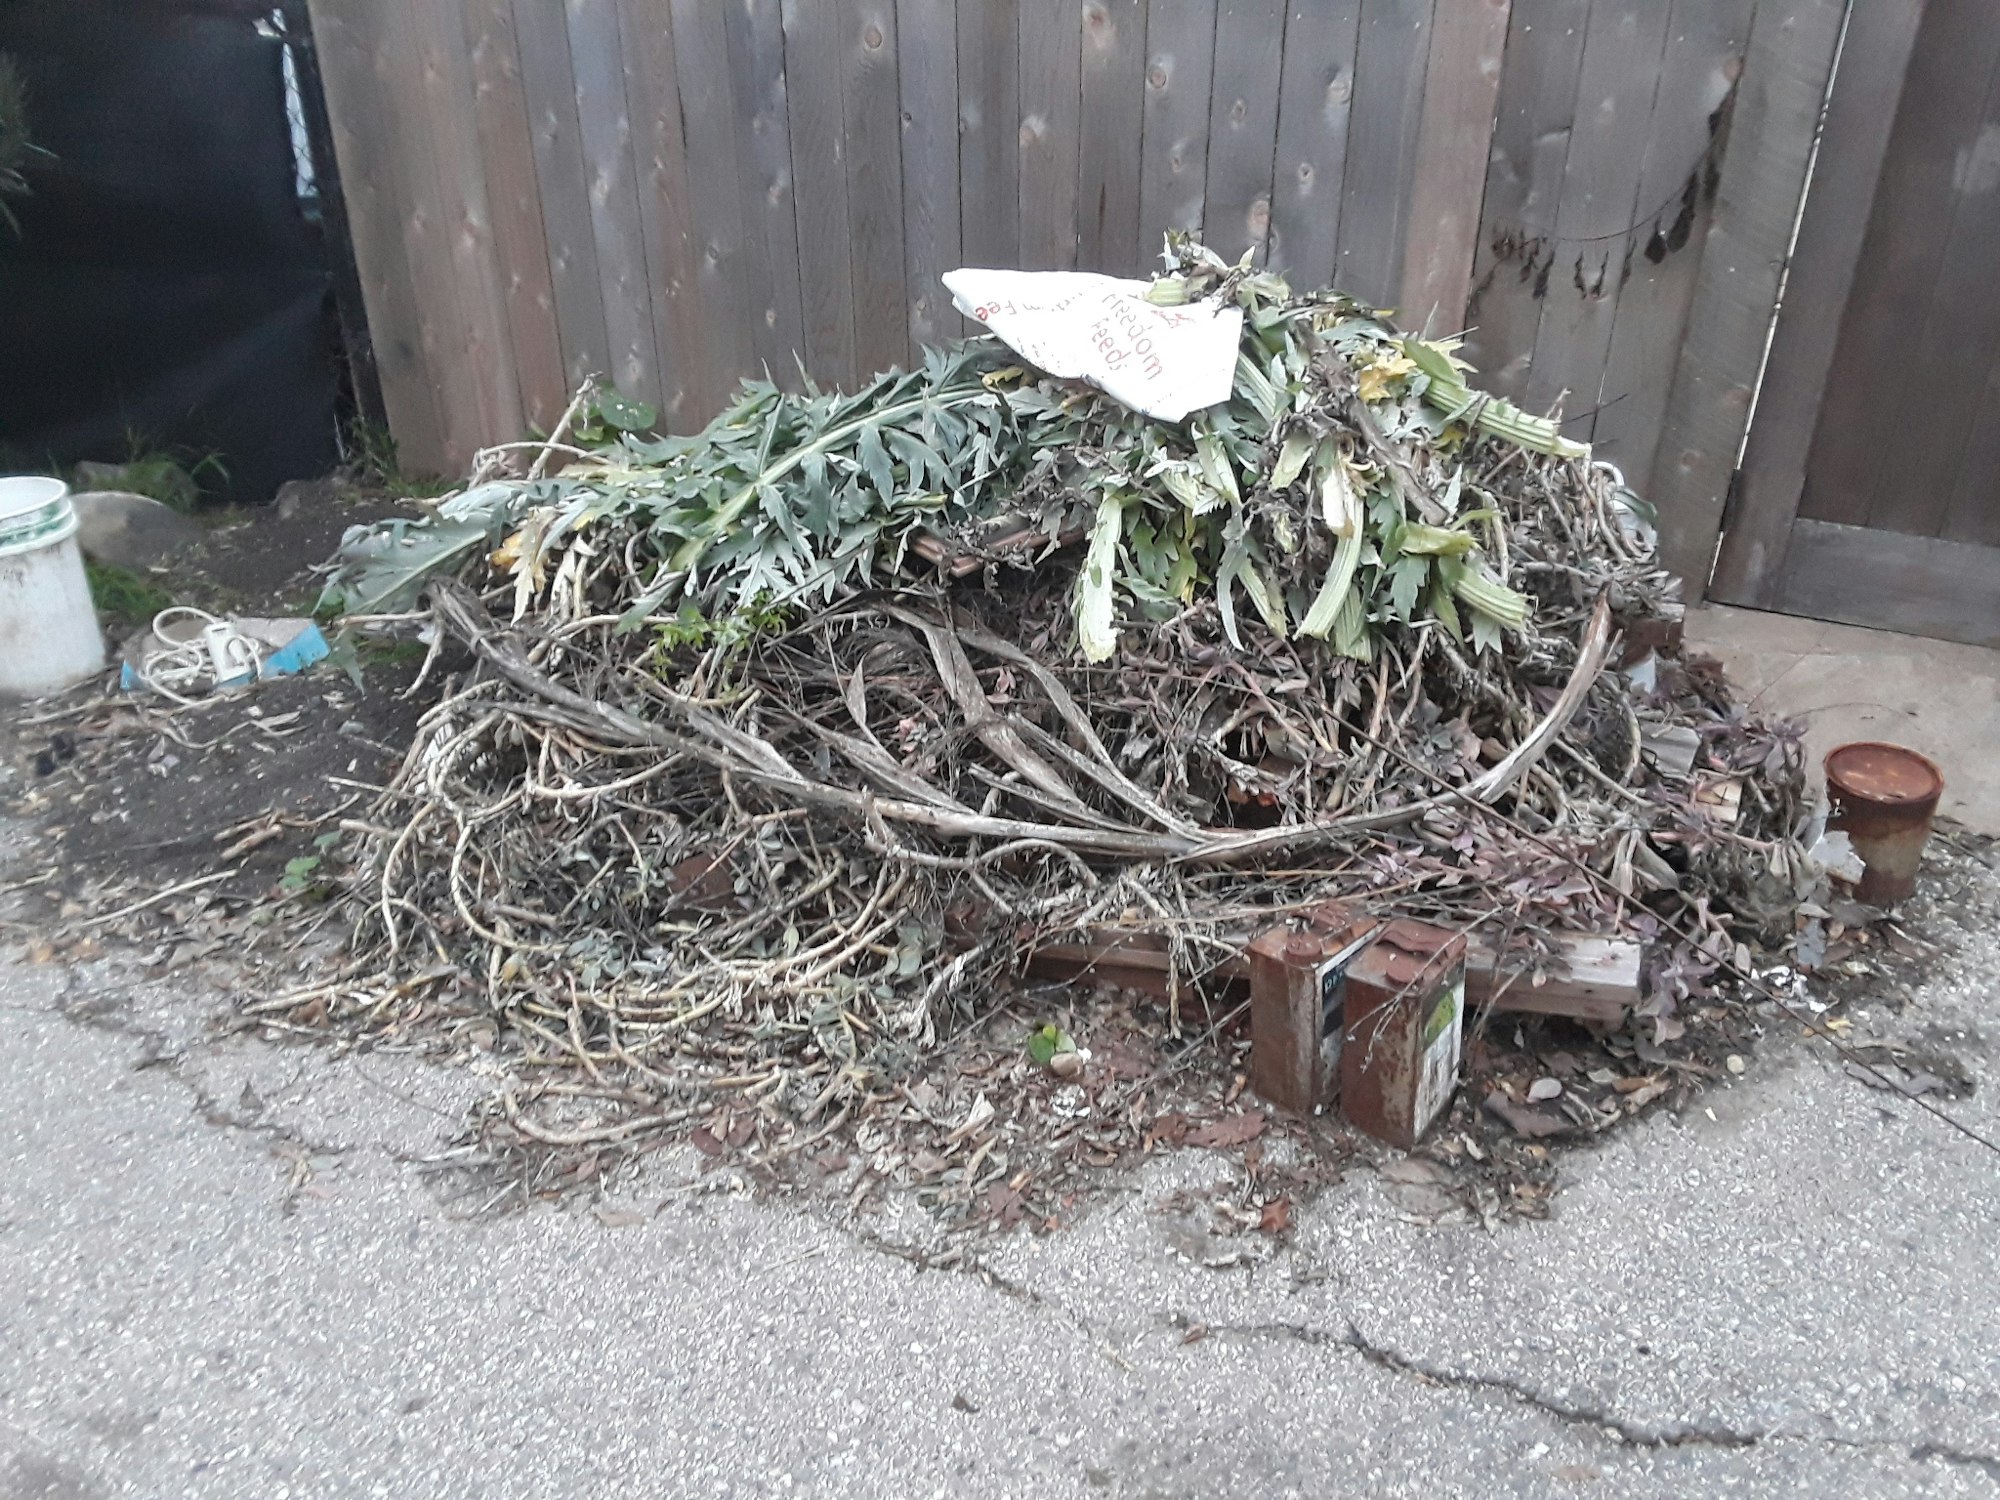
x,y
172,285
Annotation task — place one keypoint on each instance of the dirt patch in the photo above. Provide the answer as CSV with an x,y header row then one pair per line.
x,y
263,555
126,791
124,794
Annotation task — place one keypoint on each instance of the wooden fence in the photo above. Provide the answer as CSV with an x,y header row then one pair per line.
x,y
676,193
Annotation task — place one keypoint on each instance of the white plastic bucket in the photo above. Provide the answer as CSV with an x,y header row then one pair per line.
x,y
49,636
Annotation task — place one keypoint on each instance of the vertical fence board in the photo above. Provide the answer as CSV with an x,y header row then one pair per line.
x,y
989,131
875,185
1243,125
1933,416
927,73
1454,141
1391,56
1900,273
1705,42
682,275
1112,89
755,34
375,197
1785,72
1860,117
1051,100
596,47
466,218
459,338
729,313
1315,93
813,64
1616,88
514,203
1523,178
1173,173
550,88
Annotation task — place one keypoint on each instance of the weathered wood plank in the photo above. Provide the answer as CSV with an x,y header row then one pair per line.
x,y
1900,262
1704,58
817,106
1243,125
1860,117
1315,95
1956,343
507,148
1173,176
927,72
372,178
466,215
1917,584
1596,208
1454,142
1785,74
715,194
457,323
597,50
756,38
693,382
1112,88
550,87
1051,101
989,132
1596,978
1392,52
874,116
1974,515
1531,131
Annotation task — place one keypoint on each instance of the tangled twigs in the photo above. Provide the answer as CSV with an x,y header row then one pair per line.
x,y
904,728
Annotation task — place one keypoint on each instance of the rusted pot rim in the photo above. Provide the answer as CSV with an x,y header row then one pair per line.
x,y
1906,761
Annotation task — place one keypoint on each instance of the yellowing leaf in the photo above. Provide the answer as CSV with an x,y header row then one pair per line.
x,y
1375,378
507,555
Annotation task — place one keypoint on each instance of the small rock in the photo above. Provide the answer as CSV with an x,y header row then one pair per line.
x,y
131,531
1734,1063
1545,1088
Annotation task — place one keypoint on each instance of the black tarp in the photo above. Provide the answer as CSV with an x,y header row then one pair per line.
x,y
167,289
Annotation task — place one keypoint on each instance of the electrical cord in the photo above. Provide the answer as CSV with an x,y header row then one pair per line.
x,y
216,653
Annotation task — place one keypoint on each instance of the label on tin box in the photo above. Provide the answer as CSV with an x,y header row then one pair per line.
x,y
1332,975
1437,1074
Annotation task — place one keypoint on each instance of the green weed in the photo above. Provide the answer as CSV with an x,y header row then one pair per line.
x,y
123,597
372,463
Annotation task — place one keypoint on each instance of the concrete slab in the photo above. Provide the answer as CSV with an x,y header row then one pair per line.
x,y
1848,683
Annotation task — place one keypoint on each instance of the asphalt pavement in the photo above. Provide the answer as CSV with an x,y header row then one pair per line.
x,y
225,1271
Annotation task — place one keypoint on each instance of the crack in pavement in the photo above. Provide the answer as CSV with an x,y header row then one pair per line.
x,y
1386,1357
1630,1433
110,1011
1986,1463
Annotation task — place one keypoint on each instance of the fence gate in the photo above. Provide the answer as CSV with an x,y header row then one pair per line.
x,y
1870,486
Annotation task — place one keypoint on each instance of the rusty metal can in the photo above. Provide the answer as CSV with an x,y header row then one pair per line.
x,y
1883,798
1297,991
1404,1015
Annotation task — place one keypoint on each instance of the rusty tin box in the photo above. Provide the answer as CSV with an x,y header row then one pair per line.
x,y
1297,1005
1404,1011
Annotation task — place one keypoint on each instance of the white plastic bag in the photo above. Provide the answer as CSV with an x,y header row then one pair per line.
x,y
1163,361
